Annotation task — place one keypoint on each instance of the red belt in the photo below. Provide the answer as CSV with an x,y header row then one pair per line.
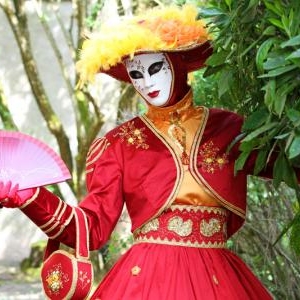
x,y
186,225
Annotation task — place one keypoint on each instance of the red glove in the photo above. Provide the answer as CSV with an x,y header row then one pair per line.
x,y
10,196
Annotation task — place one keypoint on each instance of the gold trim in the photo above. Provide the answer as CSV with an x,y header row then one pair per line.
x,y
87,237
56,217
217,210
63,226
59,211
28,201
101,146
62,211
53,217
197,175
52,227
178,164
48,223
173,242
89,171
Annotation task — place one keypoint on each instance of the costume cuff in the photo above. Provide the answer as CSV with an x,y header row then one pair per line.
x,y
31,199
48,212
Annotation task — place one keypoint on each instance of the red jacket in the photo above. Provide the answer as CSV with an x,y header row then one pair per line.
x,y
133,164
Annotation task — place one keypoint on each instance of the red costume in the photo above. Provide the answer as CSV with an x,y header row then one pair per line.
x,y
171,167
137,165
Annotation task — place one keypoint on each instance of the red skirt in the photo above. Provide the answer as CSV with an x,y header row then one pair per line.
x,y
174,260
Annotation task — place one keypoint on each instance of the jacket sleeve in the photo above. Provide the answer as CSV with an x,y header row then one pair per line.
x,y
103,203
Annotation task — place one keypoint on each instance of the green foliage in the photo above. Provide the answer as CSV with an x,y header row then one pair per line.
x,y
91,20
276,264
255,69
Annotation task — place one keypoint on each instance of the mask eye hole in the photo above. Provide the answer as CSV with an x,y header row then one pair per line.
x,y
135,74
155,68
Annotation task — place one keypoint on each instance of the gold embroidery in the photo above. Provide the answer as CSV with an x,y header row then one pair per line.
x,y
209,228
177,133
179,225
133,136
210,160
135,270
55,279
182,228
153,225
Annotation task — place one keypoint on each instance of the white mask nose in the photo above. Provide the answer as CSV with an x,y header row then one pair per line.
x,y
148,81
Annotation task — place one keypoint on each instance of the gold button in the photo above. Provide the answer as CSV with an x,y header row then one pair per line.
x,y
215,279
135,270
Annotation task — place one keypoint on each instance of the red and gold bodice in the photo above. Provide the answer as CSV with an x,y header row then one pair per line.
x,y
170,156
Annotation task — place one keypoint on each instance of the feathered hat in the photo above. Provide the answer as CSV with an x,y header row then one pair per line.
x,y
169,29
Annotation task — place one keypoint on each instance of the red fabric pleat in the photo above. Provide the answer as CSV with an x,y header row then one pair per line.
x,y
180,273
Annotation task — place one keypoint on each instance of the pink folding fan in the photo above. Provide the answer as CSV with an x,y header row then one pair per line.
x,y
29,162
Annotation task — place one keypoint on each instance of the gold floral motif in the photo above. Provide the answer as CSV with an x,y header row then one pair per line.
x,y
55,279
135,270
133,136
210,159
152,225
209,228
182,228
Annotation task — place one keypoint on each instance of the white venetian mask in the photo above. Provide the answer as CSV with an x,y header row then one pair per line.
x,y
151,76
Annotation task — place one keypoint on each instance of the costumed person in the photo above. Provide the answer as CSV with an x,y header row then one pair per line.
x,y
170,167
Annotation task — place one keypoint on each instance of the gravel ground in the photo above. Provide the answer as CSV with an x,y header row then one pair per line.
x,y
14,286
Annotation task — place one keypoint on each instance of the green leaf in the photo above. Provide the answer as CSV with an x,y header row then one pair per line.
x,y
279,166
286,228
256,119
277,10
228,3
250,12
262,53
270,91
294,116
283,172
248,146
260,161
279,71
210,12
237,139
260,130
295,54
212,70
275,62
224,82
270,30
282,136
277,23
286,23
294,149
294,41
279,102
217,59
240,162
281,95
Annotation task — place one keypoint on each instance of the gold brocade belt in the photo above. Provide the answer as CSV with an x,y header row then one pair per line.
x,y
186,225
